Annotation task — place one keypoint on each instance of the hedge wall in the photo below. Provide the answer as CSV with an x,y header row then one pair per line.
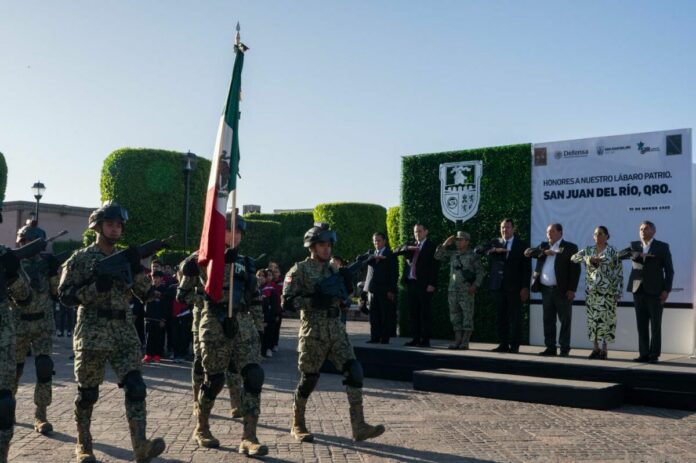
x,y
505,192
150,184
354,224
172,257
260,233
394,226
69,245
3,179
288,248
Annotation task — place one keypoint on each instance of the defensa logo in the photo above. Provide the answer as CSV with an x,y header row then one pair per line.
x,y
460,189
643,148
566,154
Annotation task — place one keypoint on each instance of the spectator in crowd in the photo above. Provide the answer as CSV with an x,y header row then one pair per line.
x,y
380,285
556,276
277,281
466,275
603,287
156,315
421,279
138,310
65,320
182,322
650,282
509,282
271,314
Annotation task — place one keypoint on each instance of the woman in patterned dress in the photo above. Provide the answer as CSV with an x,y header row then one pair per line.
x,y
603,287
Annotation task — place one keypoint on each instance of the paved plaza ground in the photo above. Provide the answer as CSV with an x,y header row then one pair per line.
x,y
421,426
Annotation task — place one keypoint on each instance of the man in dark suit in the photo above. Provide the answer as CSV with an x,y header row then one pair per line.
x,y
420,278
556,277
650,282
510,274
380,285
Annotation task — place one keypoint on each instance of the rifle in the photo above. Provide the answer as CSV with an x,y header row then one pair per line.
x,y
118,265
31,249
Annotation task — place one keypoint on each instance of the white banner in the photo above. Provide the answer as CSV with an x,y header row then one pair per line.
x,y
618,182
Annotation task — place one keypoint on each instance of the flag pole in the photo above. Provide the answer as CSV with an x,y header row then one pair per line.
x,y
230,306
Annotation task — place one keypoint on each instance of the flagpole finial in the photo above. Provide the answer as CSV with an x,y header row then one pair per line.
x,y
238,45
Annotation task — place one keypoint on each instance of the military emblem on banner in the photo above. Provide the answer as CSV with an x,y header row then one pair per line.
x,y
460,189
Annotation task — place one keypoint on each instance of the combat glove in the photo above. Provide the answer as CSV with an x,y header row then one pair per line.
x,y
10,263
191,269
230,327
103,283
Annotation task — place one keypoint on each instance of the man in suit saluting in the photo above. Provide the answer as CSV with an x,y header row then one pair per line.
x,y
650,282
556,277
380,285
421,279
509,283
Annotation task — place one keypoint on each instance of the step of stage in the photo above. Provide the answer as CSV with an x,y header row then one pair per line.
x,y
551,391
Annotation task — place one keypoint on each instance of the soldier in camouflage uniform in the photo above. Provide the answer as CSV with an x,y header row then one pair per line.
x,y
315,288
34,324
191,291
466,275
105,332
230,344
14,285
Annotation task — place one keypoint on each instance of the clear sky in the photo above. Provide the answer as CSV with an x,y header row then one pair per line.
x,y
334,92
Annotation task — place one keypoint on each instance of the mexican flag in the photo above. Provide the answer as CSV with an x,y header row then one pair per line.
x,y
223,180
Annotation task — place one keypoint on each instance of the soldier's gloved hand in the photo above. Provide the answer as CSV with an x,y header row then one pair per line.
x,y
10,263
191,269
230,327
230,255
53,265
103,283
133,257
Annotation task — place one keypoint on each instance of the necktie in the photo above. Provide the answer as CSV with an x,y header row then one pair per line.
x,y
507,248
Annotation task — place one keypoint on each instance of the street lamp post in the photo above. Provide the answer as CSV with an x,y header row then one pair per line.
x,y
189,165
38,189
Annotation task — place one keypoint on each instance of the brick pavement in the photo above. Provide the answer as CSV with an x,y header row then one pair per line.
x,y
421,426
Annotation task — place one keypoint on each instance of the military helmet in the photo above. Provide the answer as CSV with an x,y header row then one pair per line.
x,y
319,233
30,232
240,223
109,211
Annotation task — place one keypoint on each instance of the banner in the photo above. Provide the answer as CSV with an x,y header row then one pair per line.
x,y
619,181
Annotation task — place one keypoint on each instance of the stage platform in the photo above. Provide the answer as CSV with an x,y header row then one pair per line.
x,y
671,383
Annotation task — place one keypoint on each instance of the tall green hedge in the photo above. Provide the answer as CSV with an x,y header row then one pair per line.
x,y
505,192
3,179
260,233
354,224
150,184
288,248
69,245
394,226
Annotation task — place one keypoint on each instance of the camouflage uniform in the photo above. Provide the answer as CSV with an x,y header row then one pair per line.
x,y
463,268
322,336
105,332
191,291
34,326
17,290
238,357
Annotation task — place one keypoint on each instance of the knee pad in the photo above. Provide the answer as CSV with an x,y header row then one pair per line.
x,y
86,396
135,388
213,385
7,410
198,367
353,372
44,368
253,376
20,369
307,384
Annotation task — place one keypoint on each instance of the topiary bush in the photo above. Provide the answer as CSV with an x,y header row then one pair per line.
x,y
505,192
259,234
150,184
394,226
289,247
354,224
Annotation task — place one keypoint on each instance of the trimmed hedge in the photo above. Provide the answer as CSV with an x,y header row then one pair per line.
x,y
257,238
69,245
394,226
3,179
150,184
354,224
288,248
171,257
505,192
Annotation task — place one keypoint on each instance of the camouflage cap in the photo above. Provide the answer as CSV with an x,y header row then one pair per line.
x,y
462,235
319,233
109,211
30,232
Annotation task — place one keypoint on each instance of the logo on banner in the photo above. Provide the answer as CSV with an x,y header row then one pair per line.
x,y
540,156
460,189
674,144
643,148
